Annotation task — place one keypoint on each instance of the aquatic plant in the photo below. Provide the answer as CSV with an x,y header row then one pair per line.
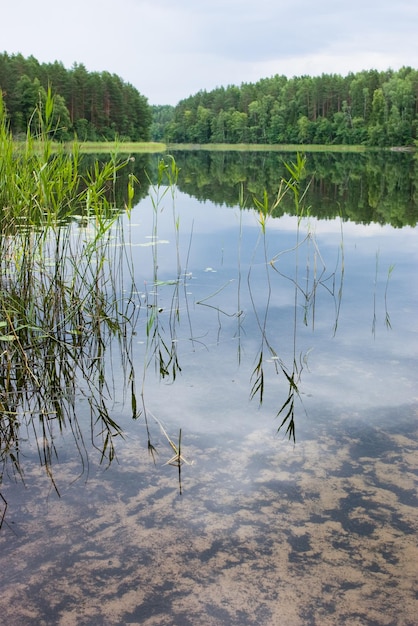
x,y
385,296
305,290
60,292
68,295
161,344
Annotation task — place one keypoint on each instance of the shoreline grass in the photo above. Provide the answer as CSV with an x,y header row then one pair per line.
x,y
122,147
254,147
155,147
62,265
97,147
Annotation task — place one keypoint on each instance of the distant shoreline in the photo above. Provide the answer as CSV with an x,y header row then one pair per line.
x,y
152,147
155,147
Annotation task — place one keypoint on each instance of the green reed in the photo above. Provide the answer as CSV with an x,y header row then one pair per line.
x,y
161,344
60,302
305,287
385,296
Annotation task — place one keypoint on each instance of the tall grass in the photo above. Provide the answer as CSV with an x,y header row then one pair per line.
x,y
60,292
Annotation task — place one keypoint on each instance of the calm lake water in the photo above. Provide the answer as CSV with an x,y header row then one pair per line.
x,y
255,529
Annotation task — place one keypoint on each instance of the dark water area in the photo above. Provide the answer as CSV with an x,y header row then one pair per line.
x,y
374,186
251,528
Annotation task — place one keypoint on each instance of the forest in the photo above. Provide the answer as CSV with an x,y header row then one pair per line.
x,y
90,105
369,108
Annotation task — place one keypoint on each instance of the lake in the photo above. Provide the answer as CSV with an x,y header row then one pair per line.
x,y
266,393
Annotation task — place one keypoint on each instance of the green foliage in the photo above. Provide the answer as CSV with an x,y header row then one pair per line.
x,y
161,117
370,108
40,182
90,105
58,304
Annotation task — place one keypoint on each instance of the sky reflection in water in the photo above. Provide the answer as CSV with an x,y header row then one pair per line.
x,y
323,532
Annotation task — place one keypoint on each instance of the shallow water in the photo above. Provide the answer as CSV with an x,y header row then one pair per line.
x,y
264,532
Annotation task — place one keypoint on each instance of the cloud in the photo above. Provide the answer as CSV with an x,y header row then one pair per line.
x,y
172,50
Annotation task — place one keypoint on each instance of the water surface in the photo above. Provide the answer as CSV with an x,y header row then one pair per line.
x,y
256,529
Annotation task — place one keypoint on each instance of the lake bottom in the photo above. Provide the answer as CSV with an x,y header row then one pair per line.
x,y
264,533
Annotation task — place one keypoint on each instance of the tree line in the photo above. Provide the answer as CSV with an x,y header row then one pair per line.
x,y
365,108
91,105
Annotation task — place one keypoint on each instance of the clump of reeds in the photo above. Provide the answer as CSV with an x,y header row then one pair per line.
x,y
60,289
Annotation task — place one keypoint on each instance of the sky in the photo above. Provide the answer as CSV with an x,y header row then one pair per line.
x,y
171,49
